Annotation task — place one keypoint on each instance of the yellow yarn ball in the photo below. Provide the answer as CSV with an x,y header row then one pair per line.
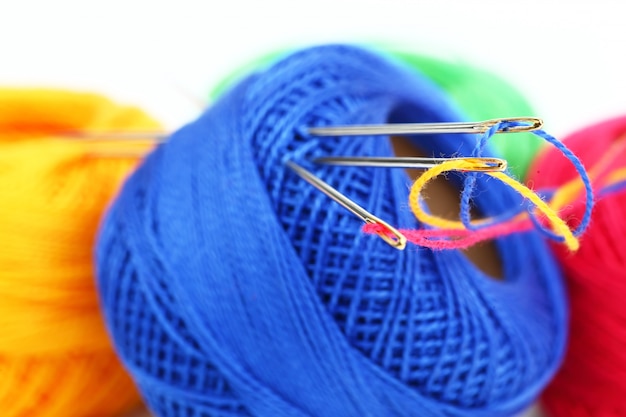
x,y
55,356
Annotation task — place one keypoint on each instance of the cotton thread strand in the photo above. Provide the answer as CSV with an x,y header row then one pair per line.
x,y
470,178
445,239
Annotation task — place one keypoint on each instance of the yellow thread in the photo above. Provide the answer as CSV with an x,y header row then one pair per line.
x,y
568,192
616,177
420,183
56,359
558,225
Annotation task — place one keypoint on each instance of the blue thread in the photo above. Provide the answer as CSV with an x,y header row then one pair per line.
x,y
589,196
233,288
580,169
543,230
470,184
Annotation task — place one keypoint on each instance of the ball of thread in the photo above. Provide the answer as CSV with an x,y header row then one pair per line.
x,y
592,381
479,93
233,288
56,359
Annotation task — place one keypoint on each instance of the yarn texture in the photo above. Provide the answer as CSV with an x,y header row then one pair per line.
x,y
480,94
592,379
233,288
56,359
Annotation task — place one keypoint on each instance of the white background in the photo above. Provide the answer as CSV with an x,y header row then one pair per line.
x,y
567,57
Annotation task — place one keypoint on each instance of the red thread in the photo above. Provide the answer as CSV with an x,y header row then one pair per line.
x,y
440,239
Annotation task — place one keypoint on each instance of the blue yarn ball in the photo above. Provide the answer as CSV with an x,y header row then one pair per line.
x,y
231,287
